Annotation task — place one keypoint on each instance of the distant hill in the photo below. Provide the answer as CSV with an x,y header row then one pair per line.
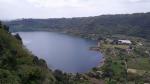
x,y
137,24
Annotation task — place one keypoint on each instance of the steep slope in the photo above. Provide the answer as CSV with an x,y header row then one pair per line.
x,y
17,65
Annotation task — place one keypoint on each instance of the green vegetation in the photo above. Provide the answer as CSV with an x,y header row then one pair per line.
x,y
115,46
123,65
137,25
17,66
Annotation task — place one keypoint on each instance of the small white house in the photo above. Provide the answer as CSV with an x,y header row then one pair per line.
x,y
124,42
13,34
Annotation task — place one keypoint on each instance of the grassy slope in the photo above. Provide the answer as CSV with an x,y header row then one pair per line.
x,y
115,68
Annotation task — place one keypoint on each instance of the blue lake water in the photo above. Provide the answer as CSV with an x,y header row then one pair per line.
x,y
67,53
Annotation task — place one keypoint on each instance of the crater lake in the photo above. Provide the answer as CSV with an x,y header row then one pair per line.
x,y
70,54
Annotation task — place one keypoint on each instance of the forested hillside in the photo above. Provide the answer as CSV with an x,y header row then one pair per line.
x,y
137,24
17,65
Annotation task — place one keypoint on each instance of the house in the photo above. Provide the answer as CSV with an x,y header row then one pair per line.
x,y
13,34
124,42
128,42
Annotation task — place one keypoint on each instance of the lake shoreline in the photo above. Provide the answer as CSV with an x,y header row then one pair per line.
x,y
97,57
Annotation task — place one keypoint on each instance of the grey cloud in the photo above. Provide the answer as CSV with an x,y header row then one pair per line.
x,y
13,9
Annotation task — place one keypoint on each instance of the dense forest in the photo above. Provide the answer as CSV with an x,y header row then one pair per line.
x,y
137,24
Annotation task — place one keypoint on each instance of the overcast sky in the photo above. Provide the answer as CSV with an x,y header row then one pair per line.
x,y
15,9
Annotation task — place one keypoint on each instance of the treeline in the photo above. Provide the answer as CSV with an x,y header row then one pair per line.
x,y
137,24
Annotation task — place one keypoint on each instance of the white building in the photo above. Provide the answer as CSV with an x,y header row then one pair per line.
x,y
13,34
124,42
